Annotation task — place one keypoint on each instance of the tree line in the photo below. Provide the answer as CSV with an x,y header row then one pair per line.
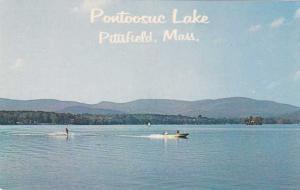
x,y
40,117
53,118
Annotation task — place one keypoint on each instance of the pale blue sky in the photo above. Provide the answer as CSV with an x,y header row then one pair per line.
x,y
49,49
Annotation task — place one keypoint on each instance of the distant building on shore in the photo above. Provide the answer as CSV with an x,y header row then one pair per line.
x,y
254,120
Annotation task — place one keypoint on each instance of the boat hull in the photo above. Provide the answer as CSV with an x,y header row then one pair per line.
x,y
181,135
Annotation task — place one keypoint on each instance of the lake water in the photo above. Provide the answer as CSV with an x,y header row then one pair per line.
x,y
126,157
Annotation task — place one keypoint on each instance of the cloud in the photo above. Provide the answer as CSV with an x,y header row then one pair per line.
x,y
277,22
272,85
297,14
219,41
19,63
297,75
255,28
87,5
253,91
75,9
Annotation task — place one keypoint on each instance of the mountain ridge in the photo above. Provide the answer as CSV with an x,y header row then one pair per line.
x,y
231,107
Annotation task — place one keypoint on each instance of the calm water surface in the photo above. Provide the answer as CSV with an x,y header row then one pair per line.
x,y
125,157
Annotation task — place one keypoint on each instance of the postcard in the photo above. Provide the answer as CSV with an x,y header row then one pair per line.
x,y
111,94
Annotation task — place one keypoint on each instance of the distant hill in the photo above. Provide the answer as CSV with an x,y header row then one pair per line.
x,y
235,107
239,107
294,116
37,105
83,109
143,106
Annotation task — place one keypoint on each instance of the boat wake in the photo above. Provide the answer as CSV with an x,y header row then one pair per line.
x,y
152,136
27,134
60,135
54,134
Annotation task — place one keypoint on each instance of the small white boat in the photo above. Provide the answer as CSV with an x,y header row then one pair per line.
x,y
179,135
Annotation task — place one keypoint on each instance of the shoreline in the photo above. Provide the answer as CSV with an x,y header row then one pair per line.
x,y
54,118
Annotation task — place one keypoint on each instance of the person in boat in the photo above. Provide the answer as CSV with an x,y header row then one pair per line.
x,y
67,131
177,132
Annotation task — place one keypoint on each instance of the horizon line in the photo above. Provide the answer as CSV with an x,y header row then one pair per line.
x,y
170,99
